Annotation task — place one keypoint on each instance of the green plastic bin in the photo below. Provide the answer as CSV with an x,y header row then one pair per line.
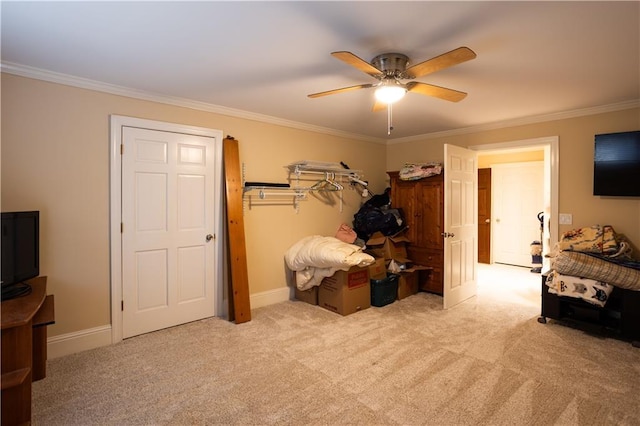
x,y
384,291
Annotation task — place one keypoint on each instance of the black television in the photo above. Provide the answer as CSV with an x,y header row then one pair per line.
x,y
20,253
616,167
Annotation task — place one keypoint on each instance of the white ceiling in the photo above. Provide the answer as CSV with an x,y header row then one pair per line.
x,y
261,59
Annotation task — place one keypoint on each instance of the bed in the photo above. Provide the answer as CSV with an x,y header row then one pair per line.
x,y
594,288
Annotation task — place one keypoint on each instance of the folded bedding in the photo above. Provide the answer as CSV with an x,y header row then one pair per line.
x,y
622,261
584,265
415,171
590,239
316,257
592,291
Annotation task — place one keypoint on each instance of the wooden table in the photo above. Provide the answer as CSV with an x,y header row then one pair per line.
x,y
24,349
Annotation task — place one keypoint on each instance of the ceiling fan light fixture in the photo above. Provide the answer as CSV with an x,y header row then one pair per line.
x,y
389,93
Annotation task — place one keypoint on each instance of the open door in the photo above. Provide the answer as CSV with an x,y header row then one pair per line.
x,y
484,215
460,224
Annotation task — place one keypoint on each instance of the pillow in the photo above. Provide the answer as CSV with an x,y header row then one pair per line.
x,y
346,234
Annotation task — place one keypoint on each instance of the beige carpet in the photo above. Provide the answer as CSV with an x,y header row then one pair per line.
x,y
485,362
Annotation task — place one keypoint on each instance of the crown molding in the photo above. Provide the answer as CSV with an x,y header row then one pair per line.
x,y
84,83
69,80
635,103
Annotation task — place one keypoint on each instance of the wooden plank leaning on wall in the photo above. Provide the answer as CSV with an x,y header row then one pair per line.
x,y
239,304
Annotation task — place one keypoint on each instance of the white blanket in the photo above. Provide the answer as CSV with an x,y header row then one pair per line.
x,y
316,257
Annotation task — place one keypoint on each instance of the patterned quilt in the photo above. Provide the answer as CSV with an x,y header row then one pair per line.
x,y
591,239
415,171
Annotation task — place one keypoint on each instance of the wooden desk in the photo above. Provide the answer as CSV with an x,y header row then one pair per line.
x,y
24,349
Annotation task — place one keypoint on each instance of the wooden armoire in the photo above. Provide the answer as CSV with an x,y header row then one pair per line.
x,y
422,202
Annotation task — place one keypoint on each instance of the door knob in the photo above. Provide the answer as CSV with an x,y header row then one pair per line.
x,y
209,237
487,221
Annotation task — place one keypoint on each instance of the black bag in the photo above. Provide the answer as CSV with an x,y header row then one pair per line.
x,y
370,219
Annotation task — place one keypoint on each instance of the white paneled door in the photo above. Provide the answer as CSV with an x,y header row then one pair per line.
x,y
460,225
517,198
168,234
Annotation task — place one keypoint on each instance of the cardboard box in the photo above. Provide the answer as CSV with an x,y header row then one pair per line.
x,y
346,292
378,270
408,284
309,296
388,247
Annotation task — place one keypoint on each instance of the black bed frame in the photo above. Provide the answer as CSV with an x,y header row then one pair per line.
x,y
619,318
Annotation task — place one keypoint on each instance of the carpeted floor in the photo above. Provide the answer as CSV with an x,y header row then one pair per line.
x,y
486,361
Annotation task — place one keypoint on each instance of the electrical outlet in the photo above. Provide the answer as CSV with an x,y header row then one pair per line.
x,y
566,218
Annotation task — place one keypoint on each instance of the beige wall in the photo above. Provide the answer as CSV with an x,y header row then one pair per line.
x,y
576,164
486,160
55,158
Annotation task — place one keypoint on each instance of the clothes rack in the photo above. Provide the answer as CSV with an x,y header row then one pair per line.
x,y
334,178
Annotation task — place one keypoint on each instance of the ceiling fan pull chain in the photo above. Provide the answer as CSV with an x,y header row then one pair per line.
x,y
389,119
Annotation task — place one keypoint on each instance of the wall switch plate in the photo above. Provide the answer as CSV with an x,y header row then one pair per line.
x,y
566,218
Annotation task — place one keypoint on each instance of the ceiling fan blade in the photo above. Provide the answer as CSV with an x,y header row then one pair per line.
x,y
356,62
446,60
379,106
436,91
342,90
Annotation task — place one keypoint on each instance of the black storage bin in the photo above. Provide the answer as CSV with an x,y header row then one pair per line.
x,y
384,291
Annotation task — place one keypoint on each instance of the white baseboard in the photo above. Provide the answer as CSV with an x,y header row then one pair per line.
x,y
270,297
67,344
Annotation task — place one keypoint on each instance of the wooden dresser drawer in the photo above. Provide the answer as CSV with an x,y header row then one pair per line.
x,y
431,281
426,257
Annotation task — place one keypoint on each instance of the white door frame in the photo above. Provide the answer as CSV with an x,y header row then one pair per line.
x,y
550,145
115,202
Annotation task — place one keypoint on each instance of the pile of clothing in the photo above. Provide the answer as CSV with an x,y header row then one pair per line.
x,y
376,215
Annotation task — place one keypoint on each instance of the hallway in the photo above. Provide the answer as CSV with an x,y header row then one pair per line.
x,y
514,284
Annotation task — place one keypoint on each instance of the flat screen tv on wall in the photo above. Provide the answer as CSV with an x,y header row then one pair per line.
x,y
616,169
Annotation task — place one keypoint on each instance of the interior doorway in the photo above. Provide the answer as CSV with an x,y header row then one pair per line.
x,y
550,157
184,149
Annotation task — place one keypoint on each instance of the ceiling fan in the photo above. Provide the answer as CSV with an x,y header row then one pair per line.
x,y
391,68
